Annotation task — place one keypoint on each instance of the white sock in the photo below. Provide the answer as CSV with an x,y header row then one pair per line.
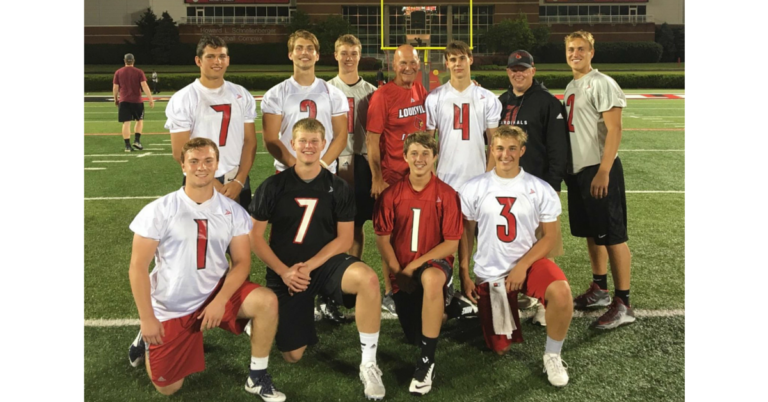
x,y
553,346
368,344
259,363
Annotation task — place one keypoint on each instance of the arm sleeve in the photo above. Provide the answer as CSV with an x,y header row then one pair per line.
x,y
263,202
143,76
115,81
384,215
453,224
549,205
249,108
608,94
151,222
430,104
179,113
467,203
344,210
377,113
339,104
556,137
492,111
271,102
242,222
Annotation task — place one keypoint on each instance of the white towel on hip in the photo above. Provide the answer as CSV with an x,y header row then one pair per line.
x,y
503,323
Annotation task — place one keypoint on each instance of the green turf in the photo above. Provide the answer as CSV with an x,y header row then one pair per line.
x,y
642,362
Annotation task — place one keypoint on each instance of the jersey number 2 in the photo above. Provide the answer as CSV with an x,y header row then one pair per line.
x,y
202,242
309,204
507,233
461,120
570,103
308,105
226,114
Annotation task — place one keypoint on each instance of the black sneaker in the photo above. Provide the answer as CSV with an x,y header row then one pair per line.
x,y
422,380
460,307
330,310
137,145
264,388
128,148
136,351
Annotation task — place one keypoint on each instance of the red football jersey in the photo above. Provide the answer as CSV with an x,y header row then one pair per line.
x,y
396,112
417,221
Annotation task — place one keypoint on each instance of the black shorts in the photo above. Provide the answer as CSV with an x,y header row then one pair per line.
x,y
128,111
245,193
408,305
604,220
296,325
363,182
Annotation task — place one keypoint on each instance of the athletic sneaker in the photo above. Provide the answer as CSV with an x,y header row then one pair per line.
x,y
247,328
422,380
370,375
330,310
128,148
460,307
136,351
540,317
388,304
137,145
524,302
318,314
616,316
264,388
556,373
593,297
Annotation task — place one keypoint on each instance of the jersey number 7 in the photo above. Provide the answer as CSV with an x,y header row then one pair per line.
x,y
309,204
507,233
570,102
226,114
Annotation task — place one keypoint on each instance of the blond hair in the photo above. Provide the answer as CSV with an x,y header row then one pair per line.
x,y
581,34
197,143
514,132
308,125
457,47
303,34
423,139
347,39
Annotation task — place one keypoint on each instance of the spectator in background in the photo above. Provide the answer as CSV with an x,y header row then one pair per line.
x,y
127,85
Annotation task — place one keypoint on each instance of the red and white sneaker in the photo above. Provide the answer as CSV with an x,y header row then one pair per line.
x,y
616,316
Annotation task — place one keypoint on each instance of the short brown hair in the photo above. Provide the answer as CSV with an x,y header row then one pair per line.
x,y
423,139
457,47
308,125
197,143
303,34
212,41
581,34
510,132
349,40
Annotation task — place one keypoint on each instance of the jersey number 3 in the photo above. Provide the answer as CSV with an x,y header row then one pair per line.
x,y
202,242
461,120
226,114
309,204
507,233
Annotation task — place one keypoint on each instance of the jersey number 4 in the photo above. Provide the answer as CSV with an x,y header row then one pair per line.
x,y
202,242
461,120
308,105
226,114
309,204
570,103
507,233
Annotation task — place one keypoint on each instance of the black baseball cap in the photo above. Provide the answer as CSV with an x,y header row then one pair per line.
x,y
520,58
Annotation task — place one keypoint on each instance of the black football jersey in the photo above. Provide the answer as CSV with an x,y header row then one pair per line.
x,y
303,215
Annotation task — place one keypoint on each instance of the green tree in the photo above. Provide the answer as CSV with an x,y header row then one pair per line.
x,y
509,35
300,20
328,30
541,37
679,43
147,26
165,42
666,38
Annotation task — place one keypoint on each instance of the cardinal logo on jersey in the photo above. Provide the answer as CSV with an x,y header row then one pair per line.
x,y
518,56
227,212
239,96
419,124
532,192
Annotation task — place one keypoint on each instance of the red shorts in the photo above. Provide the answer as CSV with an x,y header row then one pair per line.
x,y
540,275
181,353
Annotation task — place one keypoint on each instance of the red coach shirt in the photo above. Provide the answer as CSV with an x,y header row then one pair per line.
x,y
129,79
396,112
417,221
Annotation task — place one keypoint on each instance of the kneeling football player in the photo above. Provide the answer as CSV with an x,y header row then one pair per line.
x,y
418,224
509,204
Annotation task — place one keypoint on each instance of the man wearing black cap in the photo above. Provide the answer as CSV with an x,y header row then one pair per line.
x,y
529,105
126,89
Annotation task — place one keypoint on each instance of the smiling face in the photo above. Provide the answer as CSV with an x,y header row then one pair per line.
x,y
213,63
579,53
308,146
304,54
406,64
348,57
200,166
458,64
420,159
521,78
507,152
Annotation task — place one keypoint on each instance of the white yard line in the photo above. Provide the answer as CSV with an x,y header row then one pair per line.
x,y
652,150
154,149
110,161
144,154
130,322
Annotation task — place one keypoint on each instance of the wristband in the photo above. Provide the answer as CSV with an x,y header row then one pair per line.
x,y
323,164
239,182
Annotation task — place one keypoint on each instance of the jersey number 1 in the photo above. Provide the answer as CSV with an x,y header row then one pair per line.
x,y
226,114
309,204
202,242
461,120
507,233
415,229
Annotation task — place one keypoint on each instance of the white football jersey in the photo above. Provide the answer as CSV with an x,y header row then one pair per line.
x,y
585,101
190,259
217,114
294,102
461,119
358,98
507,212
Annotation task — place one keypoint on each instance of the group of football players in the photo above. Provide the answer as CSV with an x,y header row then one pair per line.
x,y
346,152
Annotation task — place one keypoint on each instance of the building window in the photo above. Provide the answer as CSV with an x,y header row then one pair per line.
x,y
238,15
366,21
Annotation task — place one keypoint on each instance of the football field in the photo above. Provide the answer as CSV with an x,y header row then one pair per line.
x,y
644,361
